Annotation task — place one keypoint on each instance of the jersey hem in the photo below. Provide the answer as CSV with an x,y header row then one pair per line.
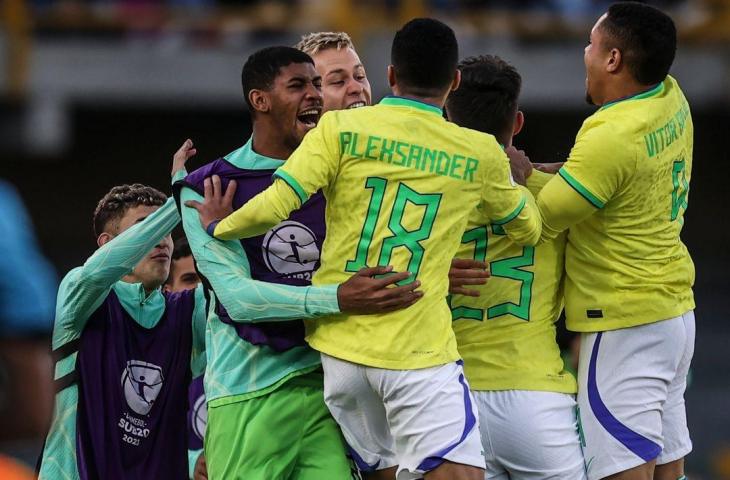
x,y
368,361
608,325
492,386
240,397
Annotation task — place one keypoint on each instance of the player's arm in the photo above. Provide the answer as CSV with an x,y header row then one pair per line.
x,y
197,468
84,288
596,169
507,205
310,168
226,266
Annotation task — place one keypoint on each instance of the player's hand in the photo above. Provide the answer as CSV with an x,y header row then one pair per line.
x,y
467,272
200,472
183,154
520,164
551,168
216,205
364,294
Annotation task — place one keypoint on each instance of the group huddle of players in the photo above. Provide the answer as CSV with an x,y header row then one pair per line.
x,y
380,283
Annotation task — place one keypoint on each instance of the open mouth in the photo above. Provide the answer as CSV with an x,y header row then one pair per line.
x,y
309,117
356,105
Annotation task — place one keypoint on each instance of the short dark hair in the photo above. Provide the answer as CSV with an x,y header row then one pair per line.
x,y
424,55
182,249
487,98
262,67
121,198
646,37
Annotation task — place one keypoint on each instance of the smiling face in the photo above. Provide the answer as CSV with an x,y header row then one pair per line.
x,y
154,268
296,102
344,82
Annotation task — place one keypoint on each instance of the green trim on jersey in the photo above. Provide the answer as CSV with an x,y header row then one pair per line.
x,y
409,102
583,191
655,90
292,182
512,215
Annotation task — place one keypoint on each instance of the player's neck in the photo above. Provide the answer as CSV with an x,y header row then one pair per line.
x,y
437,101
267,142
624,88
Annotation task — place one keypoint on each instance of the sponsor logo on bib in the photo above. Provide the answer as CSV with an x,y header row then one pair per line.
x,y
290,249
141,382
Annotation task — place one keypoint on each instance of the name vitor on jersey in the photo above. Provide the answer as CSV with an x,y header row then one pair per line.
x,y
665,135
409,155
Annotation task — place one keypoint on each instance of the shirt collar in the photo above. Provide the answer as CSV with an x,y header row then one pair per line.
x,y
246,158
394,100
650,92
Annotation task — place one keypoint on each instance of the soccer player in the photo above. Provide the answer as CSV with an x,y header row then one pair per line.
x,y
506,336
400,182
183,275
266,414
345,85
344,81
123,349
622,194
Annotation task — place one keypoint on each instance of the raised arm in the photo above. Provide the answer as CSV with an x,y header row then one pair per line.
x,y
84,288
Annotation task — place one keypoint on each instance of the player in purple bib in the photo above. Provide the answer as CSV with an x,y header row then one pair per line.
x,y
124,350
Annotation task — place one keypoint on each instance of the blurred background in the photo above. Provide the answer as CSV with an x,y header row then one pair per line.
x,y
102,92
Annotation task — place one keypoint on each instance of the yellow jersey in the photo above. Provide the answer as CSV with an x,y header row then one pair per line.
x,y
506,336
400,183
631,164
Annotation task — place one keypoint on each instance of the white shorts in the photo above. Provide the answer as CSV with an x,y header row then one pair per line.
x,y
530,435
415,419
631,386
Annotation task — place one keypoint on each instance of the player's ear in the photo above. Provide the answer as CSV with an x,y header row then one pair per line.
x,y
391,76
519,122
615,61
104,238
457,81
259,100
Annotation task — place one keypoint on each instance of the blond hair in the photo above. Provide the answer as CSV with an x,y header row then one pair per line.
x,y
311,43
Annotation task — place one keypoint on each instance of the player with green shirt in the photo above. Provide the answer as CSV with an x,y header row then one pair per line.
x,y
116,297
506,335
266,414
622,194
406,181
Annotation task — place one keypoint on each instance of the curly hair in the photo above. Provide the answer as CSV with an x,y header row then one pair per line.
x,y
121,198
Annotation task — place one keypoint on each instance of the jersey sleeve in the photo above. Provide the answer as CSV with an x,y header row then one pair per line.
x,y
537,180
599,163
225,265
311,167
506,205
314,164
259,214
561,207
84,288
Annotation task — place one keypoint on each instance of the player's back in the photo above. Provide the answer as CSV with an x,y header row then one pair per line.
x,y
626,264
406,182
506,335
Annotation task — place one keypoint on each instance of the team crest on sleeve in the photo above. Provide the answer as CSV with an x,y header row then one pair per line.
x,y
290,249
200,417
142,383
